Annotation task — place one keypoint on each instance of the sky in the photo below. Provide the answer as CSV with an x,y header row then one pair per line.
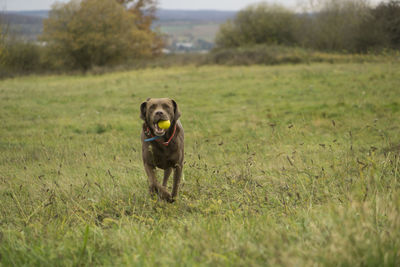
x,y
165,4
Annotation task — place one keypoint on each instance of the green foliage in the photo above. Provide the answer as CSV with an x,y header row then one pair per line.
x,y
294,165
260,54
22,56
87,33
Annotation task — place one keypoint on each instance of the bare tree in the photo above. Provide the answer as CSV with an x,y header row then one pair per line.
x,y
4,26
335,24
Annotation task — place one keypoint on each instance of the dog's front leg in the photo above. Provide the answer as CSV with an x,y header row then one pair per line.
x,y
177,180
167,173
154,186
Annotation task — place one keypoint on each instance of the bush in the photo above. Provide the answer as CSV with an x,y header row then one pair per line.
x,y
278,54
21,57
259,54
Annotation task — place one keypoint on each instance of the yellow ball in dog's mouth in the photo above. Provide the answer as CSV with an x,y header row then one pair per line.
x,y
164,124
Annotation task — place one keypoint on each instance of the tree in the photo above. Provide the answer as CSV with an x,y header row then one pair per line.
x,y
145,13
336,26
387,15
333,25
258,24
3,35
97,32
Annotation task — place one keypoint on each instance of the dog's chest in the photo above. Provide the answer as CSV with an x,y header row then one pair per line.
x,y
161,156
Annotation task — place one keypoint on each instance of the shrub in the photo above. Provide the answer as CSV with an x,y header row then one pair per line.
x,y
22,56
19,57
259,54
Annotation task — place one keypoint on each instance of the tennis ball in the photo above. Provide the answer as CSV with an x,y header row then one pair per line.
x,y
164,124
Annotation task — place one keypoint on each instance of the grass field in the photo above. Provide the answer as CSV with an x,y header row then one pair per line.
x,y
285,165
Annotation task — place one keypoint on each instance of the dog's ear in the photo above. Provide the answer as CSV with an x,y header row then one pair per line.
x,y
143,108
177,113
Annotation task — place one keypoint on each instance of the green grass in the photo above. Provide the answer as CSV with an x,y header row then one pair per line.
x,y
285,165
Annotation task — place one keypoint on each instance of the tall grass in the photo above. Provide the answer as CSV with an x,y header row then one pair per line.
x,y
285,165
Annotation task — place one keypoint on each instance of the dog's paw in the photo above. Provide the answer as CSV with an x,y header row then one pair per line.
x,y
153,189
165,195
170,200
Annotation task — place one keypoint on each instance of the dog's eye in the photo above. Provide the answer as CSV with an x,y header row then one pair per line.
x,y
165,106
152,107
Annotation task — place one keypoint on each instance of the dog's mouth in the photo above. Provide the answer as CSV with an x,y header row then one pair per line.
x,y
157,130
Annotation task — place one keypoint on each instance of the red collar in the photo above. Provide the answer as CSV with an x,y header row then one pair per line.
x,y
147,132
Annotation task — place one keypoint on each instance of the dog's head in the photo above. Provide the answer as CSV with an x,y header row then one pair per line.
x,y
154,110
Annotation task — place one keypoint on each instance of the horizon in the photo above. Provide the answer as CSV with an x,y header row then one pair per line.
x,y
169,9
295,5
222,5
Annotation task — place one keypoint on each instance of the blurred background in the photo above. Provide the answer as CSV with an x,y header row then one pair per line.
x,y
47,35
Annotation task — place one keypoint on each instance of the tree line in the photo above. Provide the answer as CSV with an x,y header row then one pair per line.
x,y
82,34
328,25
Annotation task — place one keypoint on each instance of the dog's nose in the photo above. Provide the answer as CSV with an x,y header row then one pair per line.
x,y
159,113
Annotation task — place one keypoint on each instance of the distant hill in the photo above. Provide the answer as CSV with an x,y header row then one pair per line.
x,y
195,28
191,30
194,15
34,13
18,18
23,26
162,15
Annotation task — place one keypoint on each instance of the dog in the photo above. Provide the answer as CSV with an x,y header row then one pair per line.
x,y
161,148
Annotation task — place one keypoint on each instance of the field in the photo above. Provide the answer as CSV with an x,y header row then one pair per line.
x,y
189,31
291,165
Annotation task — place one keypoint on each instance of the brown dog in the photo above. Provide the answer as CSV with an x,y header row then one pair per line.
x,y
162,148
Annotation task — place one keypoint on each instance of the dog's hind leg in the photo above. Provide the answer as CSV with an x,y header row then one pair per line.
x,y
154,186
167,173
